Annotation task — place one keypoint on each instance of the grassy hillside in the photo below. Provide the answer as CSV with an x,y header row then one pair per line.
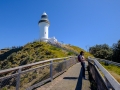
x,y
34,52
3,51
77,49
114,70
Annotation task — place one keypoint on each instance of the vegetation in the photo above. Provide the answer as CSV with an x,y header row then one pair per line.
x,y
101,51
104,51
34,52
4,50
116,52
79,49
114,70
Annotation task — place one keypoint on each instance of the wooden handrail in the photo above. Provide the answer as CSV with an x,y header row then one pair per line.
x,y
32,64
110,79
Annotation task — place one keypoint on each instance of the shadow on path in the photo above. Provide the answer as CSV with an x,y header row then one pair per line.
x,y
79,83
70,78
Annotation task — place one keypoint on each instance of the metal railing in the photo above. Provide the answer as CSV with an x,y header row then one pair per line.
x,y
104,80
30,76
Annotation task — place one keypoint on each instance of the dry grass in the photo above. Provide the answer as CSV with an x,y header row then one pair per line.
x,y
113,70
116,76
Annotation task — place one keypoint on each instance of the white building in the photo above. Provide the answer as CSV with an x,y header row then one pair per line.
x,y
44,25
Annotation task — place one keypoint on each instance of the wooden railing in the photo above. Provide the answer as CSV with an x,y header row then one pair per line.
x,y
104,80
28,77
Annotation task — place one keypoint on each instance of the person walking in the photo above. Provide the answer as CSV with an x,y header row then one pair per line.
x,y
82,58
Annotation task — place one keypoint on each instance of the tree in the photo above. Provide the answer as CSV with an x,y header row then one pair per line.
x,y
101,51
116,52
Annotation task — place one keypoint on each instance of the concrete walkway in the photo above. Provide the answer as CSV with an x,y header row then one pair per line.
x,y
70,80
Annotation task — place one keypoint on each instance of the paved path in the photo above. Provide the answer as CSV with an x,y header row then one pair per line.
x,y
70,80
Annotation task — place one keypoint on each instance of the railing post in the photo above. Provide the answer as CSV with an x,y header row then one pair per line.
x,y
65,63
18,79
74,60
51,70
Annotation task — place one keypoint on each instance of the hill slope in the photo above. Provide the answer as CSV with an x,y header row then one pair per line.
x,y
78,49
34,52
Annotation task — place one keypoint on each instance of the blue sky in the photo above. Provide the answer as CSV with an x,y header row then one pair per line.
x,y
83,23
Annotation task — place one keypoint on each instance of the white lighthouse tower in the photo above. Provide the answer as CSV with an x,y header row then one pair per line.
x,y
44,25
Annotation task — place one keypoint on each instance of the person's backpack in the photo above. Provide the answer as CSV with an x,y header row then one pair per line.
x,y
79,58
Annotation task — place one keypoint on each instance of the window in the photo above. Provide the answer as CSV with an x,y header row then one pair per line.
x,y
44,16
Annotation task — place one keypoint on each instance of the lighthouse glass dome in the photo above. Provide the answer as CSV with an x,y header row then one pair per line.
x,y
44,16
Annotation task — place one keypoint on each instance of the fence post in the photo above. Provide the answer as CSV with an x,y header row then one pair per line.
x,y
18,79
65,63
74,60
51,70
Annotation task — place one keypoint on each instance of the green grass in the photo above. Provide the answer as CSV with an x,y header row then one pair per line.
x,y
34,52
78,49
114,70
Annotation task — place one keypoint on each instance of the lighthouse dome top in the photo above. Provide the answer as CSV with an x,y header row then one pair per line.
x,y
44,13
44,18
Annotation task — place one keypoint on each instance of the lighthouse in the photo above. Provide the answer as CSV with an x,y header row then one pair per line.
x,y
44,25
